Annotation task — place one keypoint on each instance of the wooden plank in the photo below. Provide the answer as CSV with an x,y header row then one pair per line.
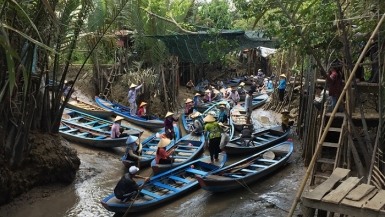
x,y
337,175
377,202
361,202
361,191
342,190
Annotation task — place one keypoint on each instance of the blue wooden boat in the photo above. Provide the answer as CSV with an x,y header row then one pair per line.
x,y
261,140
202,107
88,108
83,128
201,86
149,147
186,121
238,117
233,82
153,123
258,101
248,170
214,110
185,150
165,187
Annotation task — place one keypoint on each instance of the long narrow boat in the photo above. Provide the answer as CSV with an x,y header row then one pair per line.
x,y
153,123
185,150
88,108
149,147
83,128
248,170
165,187
233,82
258,101
261,140
202,107
186,121
238,117
201,86
214,109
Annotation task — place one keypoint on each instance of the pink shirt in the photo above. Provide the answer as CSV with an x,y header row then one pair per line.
x,y
115,130
161,154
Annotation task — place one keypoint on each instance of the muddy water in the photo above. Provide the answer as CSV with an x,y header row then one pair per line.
x,y
101,169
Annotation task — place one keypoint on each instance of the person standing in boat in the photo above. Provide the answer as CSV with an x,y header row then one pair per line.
x,y
116,130
197,99
197,126
249,106
189,107
132,97
127,189
169,125
142,112
163,157
282,87
133,149
213,137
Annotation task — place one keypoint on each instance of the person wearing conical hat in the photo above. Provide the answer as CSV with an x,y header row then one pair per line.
x,y
142,112
197,126
222,116
163,157
241,88
133,148
169,125
213,137
285,119
197,99
217,95
116,130
189,107
234,97
282,87
132,97
207,95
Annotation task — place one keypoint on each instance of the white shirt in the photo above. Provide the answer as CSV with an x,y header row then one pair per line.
x,y
132,94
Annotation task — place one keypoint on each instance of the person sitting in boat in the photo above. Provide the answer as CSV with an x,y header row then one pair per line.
x,y
222,116
189,107
127,189
217,95
142,112
190,85
116,130
241,88
234,97
163,157
133,149
207,96
286,123
197,99
169,125
269,84
246,135
265,83
197,126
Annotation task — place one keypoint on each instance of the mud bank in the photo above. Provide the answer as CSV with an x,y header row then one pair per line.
x,y
51,160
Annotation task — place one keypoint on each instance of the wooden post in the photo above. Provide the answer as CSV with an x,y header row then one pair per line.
x,y
319,145
164,88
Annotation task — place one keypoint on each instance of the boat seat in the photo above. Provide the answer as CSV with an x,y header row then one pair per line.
x,y
248,171
158,184
100,137
258,165
267,160
176,178
178,156
64,127
147,156
89,123
186,146
83,134
183,150
101,126
71,131
145,192
263,139
271,136
76,118
199,172
148,149
236,176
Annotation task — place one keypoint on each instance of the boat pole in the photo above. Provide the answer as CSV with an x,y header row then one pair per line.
x,y
319,144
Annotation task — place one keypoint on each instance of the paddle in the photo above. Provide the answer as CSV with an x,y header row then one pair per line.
x,y
140,148
126,213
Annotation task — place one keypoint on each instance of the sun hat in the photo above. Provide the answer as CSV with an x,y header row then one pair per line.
x,y
143,104
222,106
188,100
222,125
251,76
209,118
196,114
259,70
282,75
216,91
197,94
223,103
285,111
207,91
242,84
169,114
163,143
133,85
133,170
266,79
131,139
118,118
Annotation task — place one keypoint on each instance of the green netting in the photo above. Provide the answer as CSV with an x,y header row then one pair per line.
x,y
188,47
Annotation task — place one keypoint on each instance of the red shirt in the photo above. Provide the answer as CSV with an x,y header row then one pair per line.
x,y
335,85
141,112
161,154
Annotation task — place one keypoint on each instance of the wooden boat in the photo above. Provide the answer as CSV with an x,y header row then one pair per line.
x,y
83,128
88,108
242,96
248,170
153,123
149,147
185,150
258,101
233,82
214,109
166,186
238,117
201,86
261,140
202,107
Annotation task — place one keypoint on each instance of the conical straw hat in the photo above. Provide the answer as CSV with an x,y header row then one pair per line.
x,y
143,104
197,94
163,143
169,114
242,84
118,118
196,114
188,100
283,75
209,118
133,85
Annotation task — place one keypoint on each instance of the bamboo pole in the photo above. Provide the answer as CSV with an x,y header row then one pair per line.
x,y
318,148
374,155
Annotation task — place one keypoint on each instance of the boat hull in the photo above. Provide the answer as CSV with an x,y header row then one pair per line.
x,y
97,113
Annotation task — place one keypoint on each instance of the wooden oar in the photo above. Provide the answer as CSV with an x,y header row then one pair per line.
x,y
126,213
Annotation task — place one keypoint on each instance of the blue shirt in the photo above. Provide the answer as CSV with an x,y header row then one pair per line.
x,y
282,84
197,100
270,85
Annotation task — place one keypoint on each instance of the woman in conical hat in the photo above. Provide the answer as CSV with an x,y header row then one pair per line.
x,y
189,106
132,98
162,157
116,131
197,99
169,125
142,112
282,87
214,137
285,119
197,126
133,149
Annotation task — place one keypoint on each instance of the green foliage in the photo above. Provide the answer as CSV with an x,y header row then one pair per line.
x,y
215,14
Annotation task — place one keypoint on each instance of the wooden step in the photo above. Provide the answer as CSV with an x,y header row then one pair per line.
x,y
340,115
326,161
322,175
335,129
330,144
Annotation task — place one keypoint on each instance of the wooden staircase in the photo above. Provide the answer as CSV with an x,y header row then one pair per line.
x,y
329,157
